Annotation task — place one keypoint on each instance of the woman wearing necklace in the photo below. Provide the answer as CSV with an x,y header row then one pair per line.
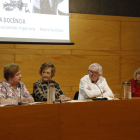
x,y
47,71
12,87
135,84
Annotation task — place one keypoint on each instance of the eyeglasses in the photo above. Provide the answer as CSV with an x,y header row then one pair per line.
x,y
92,72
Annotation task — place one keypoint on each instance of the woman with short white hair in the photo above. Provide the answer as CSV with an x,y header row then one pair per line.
x,y
47,71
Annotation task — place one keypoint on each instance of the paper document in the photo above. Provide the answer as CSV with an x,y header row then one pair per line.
x,y
74,101
35,103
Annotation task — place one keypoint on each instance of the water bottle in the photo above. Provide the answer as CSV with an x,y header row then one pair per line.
x,y
51,93
127,90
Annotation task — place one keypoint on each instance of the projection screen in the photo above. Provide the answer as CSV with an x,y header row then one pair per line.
x,y
34,20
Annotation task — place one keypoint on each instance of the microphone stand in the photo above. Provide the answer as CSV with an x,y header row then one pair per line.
x,y
20,103
103,98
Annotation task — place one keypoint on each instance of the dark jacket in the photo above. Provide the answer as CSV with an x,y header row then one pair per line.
x,y
40,90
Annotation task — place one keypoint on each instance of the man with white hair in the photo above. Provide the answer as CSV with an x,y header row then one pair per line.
x,y
93,84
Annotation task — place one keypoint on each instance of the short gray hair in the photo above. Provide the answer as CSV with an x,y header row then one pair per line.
x,y
96,65
47,65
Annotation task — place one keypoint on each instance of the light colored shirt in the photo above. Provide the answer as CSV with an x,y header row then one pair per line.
x,y
95,91
7,92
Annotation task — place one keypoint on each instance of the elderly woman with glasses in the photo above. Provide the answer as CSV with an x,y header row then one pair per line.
x,y
47,71
135,84
93,84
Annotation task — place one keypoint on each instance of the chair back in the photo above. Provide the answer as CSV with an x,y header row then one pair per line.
x,y
76,95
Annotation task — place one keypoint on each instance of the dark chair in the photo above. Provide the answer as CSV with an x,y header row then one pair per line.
x,y
76,95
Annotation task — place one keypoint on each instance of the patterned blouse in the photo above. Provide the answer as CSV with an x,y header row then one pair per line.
x,y
7,92
40,90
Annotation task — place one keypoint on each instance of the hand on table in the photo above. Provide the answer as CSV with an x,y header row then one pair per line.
x,y
29,99
64,98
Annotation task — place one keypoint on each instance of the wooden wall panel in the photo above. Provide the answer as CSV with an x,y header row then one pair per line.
x,y
111,41
35,51
105,53
69,69
95,34
128,66
7,46
4,60
130,35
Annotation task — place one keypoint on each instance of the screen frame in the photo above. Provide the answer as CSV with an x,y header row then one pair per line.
x,y
41,43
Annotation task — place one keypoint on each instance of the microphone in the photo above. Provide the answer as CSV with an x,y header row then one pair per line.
x,y
103,98
19,103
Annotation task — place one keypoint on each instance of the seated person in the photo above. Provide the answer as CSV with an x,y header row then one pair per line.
x,y
12,87
93,84
47,71
135,84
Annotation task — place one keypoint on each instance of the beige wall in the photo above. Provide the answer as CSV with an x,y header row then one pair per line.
x,y
111,41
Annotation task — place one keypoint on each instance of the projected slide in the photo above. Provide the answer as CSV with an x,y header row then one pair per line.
x,y
34,20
